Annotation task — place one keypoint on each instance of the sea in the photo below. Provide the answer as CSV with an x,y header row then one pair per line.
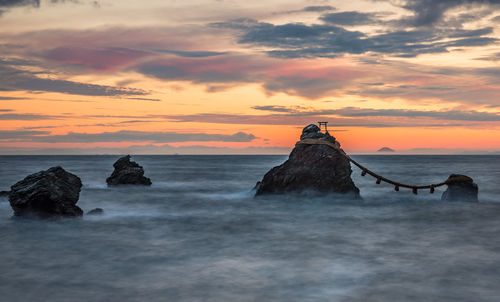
x,y
199,234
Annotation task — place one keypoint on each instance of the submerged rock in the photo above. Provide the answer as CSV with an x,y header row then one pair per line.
x,y
96,211
463,189
311,168
53,192
127,173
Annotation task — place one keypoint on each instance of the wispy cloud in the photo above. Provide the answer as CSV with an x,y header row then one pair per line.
x,y
450,115
26,117
304,119
124,136
16,79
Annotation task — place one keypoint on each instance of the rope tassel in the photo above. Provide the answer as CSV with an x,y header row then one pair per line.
x,y
379,178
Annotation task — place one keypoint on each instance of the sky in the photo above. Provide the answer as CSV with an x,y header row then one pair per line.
x,y
244,77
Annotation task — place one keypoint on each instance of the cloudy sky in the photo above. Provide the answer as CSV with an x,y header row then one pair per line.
x,y
234,76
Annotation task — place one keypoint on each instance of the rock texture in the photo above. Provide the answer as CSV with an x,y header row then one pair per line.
x,y
53,192
127,173
463,190
316,168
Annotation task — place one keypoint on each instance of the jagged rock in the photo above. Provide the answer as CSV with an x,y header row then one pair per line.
x,y
311,131
127,173
53,192
4,193
311,168
461,190
96,211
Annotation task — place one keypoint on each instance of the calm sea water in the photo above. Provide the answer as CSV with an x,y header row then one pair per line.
x,y
199,235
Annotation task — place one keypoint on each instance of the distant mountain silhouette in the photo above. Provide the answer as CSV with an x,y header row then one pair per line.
x,y
385,149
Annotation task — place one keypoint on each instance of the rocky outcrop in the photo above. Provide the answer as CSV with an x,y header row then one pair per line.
x,y
316,168
53,192
4,193
127,173
463,189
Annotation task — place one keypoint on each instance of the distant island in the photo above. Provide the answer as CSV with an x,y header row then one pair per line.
x,y
386,149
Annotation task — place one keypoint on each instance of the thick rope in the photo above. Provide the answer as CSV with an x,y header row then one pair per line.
x,y
380,178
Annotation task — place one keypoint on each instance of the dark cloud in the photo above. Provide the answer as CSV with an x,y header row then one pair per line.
x,y
318,8
15,79
349,18
293,40
136,122
293,36
192,54
132,136
40,127
17,135
10,98
275,108
12,3
26,117
144,99
430,12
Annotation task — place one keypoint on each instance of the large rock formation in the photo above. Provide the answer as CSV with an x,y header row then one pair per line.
x,y
127,173
53,192
316,168
463,189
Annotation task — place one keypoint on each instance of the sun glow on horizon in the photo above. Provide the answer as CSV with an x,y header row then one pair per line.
x,y
240,77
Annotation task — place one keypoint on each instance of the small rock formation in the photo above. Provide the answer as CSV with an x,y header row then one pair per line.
x,y
127,173
96,211
386,149
461,190
257,185
53,192
4,193
311,168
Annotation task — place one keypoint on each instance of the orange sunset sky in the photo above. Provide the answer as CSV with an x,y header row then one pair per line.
x,y
233,76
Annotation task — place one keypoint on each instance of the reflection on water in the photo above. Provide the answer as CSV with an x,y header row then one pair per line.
x,y
199,235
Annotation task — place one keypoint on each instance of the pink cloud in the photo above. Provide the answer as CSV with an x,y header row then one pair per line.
x,y
102,60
